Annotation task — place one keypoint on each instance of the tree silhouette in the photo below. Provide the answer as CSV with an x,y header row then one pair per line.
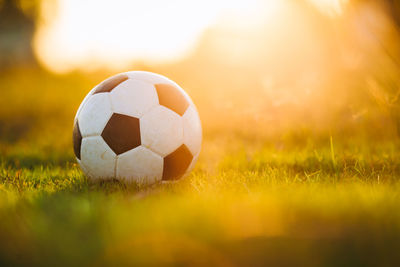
x,y
17,25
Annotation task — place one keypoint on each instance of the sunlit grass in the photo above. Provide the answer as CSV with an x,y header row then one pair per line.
x,y
258,194
255,205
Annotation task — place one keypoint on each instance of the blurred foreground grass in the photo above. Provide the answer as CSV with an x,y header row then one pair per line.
x,y
297,199
279,208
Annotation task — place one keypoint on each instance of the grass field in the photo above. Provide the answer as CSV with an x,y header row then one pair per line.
x,y
294,199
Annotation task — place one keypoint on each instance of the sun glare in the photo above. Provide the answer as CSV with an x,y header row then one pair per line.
x,y
330,7
113,34
93,34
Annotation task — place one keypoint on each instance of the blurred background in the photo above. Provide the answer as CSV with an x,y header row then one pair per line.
x,y
262,70
300,106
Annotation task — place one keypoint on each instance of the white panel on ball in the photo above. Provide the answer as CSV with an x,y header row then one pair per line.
x,y
161,130
192,133
154,78
149,77
81,106
84,102
133,98
97,159
95,115
140,165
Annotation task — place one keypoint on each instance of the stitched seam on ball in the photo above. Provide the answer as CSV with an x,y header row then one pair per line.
x,y
157,153
149,110
111,103
91,135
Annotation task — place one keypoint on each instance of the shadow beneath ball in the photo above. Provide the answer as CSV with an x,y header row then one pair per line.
x,y
112,185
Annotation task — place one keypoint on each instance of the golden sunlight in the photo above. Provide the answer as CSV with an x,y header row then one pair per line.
x,y
330,7
102,34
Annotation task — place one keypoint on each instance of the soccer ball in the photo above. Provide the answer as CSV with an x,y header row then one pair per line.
x,y
139,127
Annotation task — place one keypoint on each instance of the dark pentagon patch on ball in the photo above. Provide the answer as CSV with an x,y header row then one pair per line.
x,y
171,97
122,133
77,140
176,163
110,83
